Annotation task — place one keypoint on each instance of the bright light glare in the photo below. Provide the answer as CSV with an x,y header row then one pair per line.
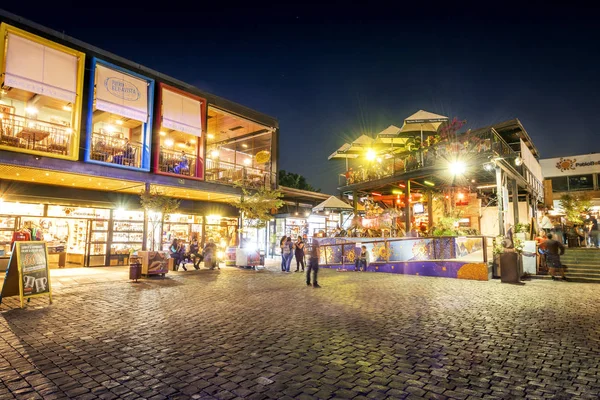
x,y
371,154
214,153
169,142
458,168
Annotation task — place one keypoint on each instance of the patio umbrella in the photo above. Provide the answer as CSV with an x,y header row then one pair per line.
x,y
423,121
333,204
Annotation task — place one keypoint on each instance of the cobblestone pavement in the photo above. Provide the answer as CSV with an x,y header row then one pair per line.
x,y
245,334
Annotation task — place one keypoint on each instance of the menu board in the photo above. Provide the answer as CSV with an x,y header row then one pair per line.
x,y
27,274
33,263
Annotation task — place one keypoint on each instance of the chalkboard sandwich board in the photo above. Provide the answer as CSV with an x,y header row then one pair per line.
x,y
27,274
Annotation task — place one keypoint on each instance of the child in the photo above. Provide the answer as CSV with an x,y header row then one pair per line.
x,y
362,261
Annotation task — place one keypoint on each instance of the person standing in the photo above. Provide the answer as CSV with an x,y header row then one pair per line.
x,y
555,249
210,259
546,224
313,265
287,251
362,261
299,254
594,231
281,245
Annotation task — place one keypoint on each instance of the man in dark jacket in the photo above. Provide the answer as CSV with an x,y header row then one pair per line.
x,y
555,249
313,264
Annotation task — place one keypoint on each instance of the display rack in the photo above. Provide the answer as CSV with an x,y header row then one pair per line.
x,y
182,227
76,243
127,236
96,251
7,228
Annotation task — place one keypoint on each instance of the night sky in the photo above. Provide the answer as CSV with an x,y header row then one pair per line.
x,y
332,72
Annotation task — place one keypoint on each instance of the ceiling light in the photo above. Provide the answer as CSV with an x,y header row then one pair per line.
x,y
210,136
161,133
31,110
119,122
110,128
488,166
169,142
518,161
193,141
69,130
247,161
245,145
429,183
214,153
68,107
181,145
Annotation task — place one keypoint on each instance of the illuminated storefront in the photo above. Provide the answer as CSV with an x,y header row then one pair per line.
x,y
179,145
238,151
40,99
119,117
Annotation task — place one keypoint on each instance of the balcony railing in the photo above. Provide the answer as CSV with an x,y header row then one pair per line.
x,y
116,150
232,174
33,134
398,163
177,162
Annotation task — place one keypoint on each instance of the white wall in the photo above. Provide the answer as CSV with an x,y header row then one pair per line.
x,y
489,218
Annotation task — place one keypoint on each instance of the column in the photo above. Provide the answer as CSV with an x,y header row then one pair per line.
x,y
500,201
407,209
515,200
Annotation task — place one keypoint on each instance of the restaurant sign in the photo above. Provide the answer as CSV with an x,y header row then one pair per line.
x,y
575,165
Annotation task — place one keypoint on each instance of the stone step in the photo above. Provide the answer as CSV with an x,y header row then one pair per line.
x,y
570,278
583,271
570,274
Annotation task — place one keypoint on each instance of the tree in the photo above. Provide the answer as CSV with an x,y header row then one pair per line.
x,y
157,206
255,206
575,206
295,181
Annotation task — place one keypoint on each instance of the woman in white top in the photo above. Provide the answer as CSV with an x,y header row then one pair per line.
x,y
546,224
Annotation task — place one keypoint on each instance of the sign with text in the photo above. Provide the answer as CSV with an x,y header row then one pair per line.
x,y
27,274
575,165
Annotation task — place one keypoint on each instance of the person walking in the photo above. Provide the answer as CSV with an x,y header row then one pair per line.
x,y
281,243
299,254
546,224
287,251
362,261
555,249
313,265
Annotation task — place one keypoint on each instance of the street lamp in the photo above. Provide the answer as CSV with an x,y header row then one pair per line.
x,y
371,155
458,168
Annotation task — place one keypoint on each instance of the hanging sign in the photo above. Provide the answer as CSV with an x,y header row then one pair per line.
x,y
27,274
262,157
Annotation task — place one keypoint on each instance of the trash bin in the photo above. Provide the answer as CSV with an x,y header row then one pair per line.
x,y
510,271
135,268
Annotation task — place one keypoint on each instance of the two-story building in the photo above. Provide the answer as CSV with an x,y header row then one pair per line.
x,y
83,132
572,175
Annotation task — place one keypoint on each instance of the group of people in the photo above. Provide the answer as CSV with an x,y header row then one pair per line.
x,y
181,255
585,234
291,249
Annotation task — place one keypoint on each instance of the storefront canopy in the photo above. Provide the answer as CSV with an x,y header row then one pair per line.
x,y
333,204
121,93
181,113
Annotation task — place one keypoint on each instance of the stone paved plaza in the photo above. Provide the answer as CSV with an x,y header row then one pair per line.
x,y
266,335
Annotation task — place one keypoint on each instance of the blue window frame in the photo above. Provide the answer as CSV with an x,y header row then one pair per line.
x,y
119,126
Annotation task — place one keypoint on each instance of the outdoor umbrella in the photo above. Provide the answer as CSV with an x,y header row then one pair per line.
x,y
333,204
423,121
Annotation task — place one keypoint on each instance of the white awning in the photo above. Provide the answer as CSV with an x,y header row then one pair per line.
x,y
121,94
181,113
40,69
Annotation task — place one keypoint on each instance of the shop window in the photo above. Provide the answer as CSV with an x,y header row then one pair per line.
x,y
120,115
581,182
40,99
180,133
560,184
238,151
